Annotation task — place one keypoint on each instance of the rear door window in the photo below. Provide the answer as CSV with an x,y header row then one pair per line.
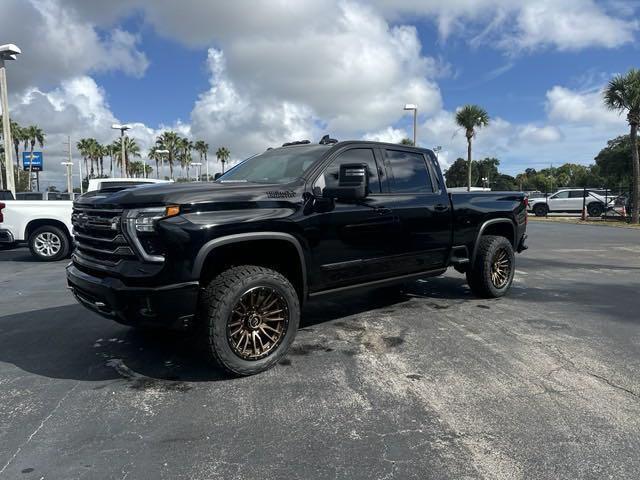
x,y
409,172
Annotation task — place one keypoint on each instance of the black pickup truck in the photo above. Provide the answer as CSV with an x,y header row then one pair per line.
x,y
236,258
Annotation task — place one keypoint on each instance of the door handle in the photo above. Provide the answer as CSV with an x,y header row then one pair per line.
x,y
441,207
383,211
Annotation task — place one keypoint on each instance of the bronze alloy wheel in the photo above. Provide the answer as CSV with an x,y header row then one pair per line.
x,y
500,268
258,323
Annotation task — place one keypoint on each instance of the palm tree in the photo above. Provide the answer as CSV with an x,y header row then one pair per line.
x,y
17,135
84,146
186,146
154,155
169,141
223,155
131,149
471,117
202,147
109,150
623,94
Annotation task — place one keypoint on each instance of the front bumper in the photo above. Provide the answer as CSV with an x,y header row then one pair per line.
x,y
172,306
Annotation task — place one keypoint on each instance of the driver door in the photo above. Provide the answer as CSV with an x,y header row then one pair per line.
x,y
350,240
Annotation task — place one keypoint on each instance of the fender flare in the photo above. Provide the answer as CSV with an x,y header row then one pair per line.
x,y
483,228
211,245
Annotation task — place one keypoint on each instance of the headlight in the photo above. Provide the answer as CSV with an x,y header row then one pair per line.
x,y
143,221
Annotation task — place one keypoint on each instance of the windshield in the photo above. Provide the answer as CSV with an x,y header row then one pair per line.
x,y
280,165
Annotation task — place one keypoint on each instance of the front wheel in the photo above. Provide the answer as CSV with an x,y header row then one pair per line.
x,y
250,316
49,243
492,272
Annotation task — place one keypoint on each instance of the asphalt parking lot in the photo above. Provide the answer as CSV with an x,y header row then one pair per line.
x,y
426,383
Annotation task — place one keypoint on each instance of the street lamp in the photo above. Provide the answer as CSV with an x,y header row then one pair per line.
x,y
411,106
69,166
162,151
123,128
7,52
199,165
437,150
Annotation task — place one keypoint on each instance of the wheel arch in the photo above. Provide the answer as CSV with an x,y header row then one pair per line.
x,y
502,227
33,225
221,252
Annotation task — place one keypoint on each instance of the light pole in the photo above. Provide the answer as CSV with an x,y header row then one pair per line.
x,y
69,166
162,152
437,150
123,128
7,52
199,165
411,106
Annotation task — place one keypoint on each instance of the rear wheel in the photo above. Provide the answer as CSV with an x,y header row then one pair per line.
x,y
49,243
540,210
595,209
492,272
250,316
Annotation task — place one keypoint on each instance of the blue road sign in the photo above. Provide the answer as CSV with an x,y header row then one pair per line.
x,y
35,161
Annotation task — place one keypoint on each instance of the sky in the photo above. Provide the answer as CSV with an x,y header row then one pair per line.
x,y
253,74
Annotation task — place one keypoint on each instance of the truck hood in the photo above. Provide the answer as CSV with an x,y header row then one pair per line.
x,y
190,193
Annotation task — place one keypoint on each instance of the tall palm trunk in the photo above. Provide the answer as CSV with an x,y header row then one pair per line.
x,y
469,162
16,146
635,194
171,166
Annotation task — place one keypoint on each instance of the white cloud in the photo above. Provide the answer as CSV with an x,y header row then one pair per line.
x,y
536,135
515,25
389,134
565,105
56,44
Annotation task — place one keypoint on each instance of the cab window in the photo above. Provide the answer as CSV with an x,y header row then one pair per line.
x,y
560,195
331,174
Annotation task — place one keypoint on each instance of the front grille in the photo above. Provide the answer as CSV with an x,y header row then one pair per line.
x,y
99,237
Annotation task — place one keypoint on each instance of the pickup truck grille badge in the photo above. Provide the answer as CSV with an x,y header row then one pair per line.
x,y
98,236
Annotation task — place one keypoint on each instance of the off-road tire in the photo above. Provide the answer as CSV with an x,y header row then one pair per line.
x,y
220,296
479,275
54,232
540,210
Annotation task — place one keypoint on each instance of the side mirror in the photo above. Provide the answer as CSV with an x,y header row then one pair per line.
x,y
217,176
353,183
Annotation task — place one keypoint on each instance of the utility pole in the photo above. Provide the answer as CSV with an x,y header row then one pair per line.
x,y
6,129
69,165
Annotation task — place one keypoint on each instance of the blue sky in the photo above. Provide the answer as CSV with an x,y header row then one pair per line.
x,y
252,74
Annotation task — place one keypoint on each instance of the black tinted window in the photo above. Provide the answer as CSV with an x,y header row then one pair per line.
x,y
355,155
409,172
576,194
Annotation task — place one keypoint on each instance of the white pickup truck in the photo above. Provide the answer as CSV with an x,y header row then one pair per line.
x,y
45,225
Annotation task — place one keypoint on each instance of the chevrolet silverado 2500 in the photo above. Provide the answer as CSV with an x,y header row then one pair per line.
x,y
236,258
